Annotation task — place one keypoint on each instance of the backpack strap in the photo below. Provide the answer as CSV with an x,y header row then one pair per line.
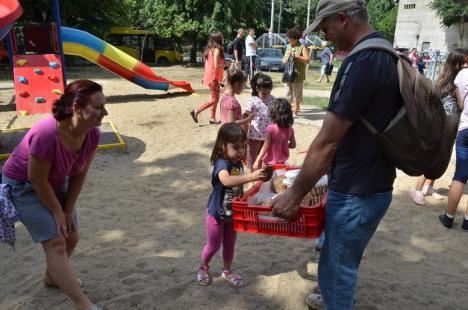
x,y
376,43
385,46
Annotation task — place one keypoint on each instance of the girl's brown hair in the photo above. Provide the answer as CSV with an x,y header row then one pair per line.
x,y
78,92
235,76
228,133
453,65
214,41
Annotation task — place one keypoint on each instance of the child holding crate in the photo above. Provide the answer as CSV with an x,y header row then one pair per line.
x,y
279,137
227,179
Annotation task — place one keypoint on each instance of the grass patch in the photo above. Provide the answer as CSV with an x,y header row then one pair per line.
x,y
321,102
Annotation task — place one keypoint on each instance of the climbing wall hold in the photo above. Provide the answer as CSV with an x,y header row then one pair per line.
x,y
24,94
23,113
38,71
53,64
22,80
57,91
40,100
53,78
21,62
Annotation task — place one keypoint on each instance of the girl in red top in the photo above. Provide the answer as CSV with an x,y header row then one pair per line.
x,y
214,68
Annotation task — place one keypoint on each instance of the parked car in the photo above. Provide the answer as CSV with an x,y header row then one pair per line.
x,y
270,59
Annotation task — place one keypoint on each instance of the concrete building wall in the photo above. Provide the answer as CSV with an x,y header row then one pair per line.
x,y
418,26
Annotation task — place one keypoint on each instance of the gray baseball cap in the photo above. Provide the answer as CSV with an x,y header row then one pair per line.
x,y
327,8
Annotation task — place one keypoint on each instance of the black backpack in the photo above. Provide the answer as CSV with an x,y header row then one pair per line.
x,y
419,139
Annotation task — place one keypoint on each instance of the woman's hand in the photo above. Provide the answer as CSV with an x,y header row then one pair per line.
x,y
60,224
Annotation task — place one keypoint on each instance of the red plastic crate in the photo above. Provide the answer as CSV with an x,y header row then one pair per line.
x,y
259,219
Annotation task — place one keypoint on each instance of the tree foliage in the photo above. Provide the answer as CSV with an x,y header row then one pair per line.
x,y
382,16
452,12
92,16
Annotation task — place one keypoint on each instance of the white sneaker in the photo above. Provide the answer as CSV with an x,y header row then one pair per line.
x,y
417,197
429,191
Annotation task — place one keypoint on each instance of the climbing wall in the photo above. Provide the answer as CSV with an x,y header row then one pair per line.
x,y
38,82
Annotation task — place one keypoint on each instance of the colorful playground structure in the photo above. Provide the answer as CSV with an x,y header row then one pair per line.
x,y
36,52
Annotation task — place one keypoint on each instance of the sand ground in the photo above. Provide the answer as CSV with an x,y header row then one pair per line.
x,y
142,210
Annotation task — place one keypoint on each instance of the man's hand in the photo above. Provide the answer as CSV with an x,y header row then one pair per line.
x,y
287,205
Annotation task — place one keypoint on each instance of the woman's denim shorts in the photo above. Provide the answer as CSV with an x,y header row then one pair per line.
x,y
461,166
37,218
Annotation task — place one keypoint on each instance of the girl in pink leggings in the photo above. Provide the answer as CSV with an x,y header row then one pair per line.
x,y
227,179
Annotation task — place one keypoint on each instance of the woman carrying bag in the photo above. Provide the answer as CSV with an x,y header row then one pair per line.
x,y
298,56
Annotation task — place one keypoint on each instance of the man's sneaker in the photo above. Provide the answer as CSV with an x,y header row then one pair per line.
x,y
417,197
314,301
465,225
446,221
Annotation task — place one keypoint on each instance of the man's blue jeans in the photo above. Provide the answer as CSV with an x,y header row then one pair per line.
x,y
350,222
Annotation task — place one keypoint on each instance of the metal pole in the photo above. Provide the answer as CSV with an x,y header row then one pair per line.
x,y
59,38
308,17
279,16
272,15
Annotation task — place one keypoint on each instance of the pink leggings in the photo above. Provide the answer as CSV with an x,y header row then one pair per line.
x,y
219,232
213,103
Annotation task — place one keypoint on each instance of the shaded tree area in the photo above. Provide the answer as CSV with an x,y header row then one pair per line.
x,y
92,16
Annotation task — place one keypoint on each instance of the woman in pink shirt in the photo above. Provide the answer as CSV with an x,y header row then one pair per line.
x,y
46,173
279,135
214,69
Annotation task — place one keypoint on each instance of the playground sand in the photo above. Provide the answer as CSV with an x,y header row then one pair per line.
x,y
141,221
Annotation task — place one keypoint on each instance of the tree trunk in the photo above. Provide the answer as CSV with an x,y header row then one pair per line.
x,y
193,49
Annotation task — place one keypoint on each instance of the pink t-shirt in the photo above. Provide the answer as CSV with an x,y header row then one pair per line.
x,y
210,72
42,141
279,148
229,102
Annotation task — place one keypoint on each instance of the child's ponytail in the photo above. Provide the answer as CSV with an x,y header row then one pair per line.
x,y
260,81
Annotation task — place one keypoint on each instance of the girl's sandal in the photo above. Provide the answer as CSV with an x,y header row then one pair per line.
x,y
233,279
203,277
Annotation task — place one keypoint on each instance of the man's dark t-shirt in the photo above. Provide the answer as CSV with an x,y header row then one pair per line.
x,y
238,45
366,86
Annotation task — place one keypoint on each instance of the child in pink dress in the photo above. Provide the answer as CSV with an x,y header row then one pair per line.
x,y
231,110
279,136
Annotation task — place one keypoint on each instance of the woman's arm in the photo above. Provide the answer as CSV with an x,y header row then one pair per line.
x,y
236,180
75,184
460,101
38,175
292,141
305,58
263,151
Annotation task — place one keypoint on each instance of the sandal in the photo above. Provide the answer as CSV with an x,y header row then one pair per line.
x,y
314,301
53,285
194,116
203,277
232,278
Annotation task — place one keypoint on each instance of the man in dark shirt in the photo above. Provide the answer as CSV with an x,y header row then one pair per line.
x,y
360,179
238,45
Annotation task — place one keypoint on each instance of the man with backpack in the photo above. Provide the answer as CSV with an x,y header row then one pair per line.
x,y
360,177
235,49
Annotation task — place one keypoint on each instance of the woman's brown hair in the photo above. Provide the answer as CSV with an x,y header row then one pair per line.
x,y
453,65
214,41
78,92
